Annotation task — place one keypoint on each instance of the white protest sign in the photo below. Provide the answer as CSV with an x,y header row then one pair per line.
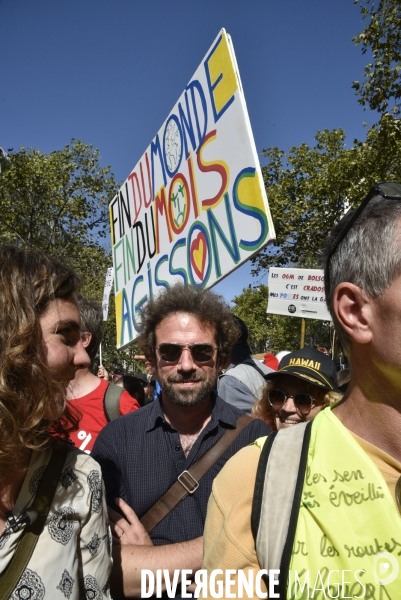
x,y
194,208
297,293
106,293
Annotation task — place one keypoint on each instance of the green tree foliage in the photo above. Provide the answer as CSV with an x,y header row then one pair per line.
x,y
309,188
58,202
272,333
382,36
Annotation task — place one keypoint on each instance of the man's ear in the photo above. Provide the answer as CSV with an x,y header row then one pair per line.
x,y
86,339
353,310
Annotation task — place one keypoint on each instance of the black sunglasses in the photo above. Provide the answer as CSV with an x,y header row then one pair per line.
x,y
389,191
171,353
303,402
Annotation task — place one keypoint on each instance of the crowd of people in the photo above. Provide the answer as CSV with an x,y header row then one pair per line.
x,y
213,460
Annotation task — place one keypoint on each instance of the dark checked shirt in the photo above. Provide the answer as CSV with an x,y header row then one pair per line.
x,y
141,457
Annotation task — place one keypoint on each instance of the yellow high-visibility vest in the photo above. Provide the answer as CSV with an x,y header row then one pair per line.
x,y
348,536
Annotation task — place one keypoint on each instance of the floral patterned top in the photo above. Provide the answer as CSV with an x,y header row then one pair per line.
x,y
72,558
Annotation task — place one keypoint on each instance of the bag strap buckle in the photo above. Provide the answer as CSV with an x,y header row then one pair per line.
x,y
188,482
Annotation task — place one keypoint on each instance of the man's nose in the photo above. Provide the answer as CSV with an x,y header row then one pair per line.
x,y
186,362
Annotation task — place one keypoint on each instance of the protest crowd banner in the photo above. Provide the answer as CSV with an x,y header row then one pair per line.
x,y
106,292
194,208
297,293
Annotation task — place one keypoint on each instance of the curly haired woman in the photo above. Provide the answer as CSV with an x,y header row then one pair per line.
x,y
40,351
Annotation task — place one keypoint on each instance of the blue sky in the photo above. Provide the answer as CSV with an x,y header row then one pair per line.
x,y
109,72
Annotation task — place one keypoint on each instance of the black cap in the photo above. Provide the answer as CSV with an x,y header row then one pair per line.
x,y
311,366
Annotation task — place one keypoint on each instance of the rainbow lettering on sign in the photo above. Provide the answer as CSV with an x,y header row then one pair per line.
x,y
194,207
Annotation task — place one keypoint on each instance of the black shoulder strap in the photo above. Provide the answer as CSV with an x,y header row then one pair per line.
x,y
111,401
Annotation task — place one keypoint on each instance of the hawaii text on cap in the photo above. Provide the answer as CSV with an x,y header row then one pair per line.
x,y
308,364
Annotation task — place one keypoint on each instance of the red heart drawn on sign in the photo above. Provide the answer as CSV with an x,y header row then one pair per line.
x,y
198,254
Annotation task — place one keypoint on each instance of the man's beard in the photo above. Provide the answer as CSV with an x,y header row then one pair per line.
x,y
190,396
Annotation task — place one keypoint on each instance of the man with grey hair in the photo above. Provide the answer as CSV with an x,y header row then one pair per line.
x,y
324,498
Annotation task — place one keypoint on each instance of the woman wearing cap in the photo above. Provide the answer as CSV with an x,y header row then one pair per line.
x,y
303,385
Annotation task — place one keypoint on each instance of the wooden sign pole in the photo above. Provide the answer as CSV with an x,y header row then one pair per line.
x,y
302,342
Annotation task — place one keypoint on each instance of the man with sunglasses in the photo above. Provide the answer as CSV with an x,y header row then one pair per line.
x,y
187,334
324,498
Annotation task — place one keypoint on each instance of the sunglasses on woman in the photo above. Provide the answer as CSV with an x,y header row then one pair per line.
x,y
171,353
302,401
